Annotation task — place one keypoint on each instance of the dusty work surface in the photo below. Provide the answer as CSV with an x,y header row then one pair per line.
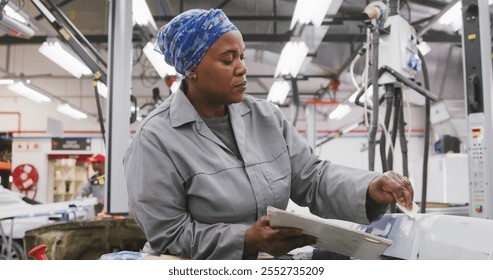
x,y
86,240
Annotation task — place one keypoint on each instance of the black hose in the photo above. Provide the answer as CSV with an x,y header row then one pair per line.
x,y
427,134
389,96
395,125
296,100
394,7
374,120
402,136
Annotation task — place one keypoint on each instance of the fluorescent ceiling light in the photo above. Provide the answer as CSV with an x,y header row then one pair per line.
x,y
292,56
424,48
102,89
313,11
64,57
349,128
340,112
302,12
157,60
278,92
9,11
453,17
452,13
15,27
71,112
142,15
25,90
6,81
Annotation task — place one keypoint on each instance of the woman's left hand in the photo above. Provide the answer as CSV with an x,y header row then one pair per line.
x,y
392,187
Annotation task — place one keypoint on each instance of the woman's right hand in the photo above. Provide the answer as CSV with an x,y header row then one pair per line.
x,y
260,237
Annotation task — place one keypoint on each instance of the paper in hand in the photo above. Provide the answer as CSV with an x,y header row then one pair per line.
x,y
410,213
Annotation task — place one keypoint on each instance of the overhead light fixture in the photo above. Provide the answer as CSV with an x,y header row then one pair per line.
x,y
102,89
292,56
16,22
59,53
157,60
71,112
278,92
349,128
452,17
424,48
142,15
15,14
449,16
6,81
313,11
28,91
340,112
15,28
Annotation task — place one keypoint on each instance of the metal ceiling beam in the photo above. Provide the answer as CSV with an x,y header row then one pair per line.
x,y
287,18
431,37
236,18
430,3
223,4
61,4
437,37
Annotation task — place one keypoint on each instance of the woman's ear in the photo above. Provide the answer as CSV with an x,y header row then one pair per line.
x,y
192,76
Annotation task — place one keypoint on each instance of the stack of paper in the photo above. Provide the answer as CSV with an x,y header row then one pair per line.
x,y
331,236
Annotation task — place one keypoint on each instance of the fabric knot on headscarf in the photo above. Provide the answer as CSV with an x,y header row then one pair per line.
x,y
184,40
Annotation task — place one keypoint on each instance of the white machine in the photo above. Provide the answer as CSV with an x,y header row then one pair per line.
x,y
17,216
435,237
426,237
476,46
398,49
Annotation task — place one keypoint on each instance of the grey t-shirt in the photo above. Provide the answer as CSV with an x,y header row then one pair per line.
x,y
221,127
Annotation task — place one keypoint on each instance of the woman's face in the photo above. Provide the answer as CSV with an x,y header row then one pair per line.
x,y
221,75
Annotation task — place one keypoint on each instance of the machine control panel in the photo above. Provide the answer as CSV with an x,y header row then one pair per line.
x,y
476,47
478,179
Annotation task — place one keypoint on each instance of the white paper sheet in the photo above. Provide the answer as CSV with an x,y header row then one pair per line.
x,y
332,236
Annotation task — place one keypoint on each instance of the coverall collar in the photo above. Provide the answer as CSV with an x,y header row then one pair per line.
x,y
182,111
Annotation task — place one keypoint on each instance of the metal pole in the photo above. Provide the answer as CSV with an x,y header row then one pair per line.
x,y
119,90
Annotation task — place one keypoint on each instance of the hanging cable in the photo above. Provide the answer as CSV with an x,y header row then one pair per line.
x,y
395,123
402,136
296,99
365,75
374,118
389,97
360,54
427,134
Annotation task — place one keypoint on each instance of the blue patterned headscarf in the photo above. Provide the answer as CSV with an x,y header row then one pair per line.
x,y
184,40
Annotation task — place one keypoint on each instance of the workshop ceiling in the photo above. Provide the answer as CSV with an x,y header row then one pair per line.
x,y
265,27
